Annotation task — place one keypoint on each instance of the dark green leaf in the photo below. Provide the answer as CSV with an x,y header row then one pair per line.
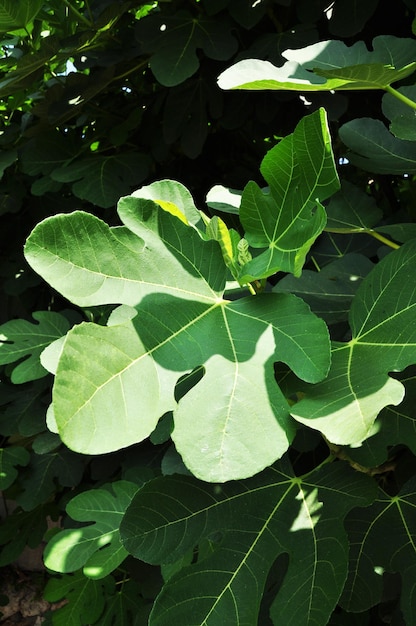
x,y
9,458
257,520
374,149
17,13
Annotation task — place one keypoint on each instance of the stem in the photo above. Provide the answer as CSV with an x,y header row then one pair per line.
x,y
384,240
79,15
400,96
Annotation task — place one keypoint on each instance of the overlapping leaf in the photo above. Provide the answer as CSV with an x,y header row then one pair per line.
x,y
254,521
374,149
126,373
382,539
96,548
401,115
287,219
358,386
86,598
330,291
20,339
328,65
15,15
102,180
173,42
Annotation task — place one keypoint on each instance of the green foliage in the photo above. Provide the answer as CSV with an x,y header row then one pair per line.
x,y
210,383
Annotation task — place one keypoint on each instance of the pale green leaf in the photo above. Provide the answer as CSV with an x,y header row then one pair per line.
x,y
242,423
126,373
220,198
328,65
382,540
95,547
287,218
20,339
91,264
358,386
255,522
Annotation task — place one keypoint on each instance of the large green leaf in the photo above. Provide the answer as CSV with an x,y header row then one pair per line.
x,y
382,540
287,218
251,524
20,339
96,548
174,40
180,323
328,65
358,386
17,13
374,149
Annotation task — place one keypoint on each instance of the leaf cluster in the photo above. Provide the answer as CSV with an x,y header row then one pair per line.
x,y
207,336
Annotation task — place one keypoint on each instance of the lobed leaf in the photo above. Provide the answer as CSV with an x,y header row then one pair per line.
x,y
287,218
382,540
20,339
328,65
358,386
254,521
95,548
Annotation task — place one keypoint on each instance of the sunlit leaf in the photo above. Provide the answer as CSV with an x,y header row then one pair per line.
x,y
95,547
358,386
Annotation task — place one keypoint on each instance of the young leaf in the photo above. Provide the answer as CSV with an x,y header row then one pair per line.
x,y
382,540
358,386
287,219
96,548
256,521
20,339
328,65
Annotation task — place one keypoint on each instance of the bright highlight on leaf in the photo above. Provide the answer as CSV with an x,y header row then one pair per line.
x,y
345,405
126,373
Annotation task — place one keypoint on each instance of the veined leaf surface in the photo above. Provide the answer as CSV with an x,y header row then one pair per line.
x,y
235,421
328,65
358,386
255,522
287,219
